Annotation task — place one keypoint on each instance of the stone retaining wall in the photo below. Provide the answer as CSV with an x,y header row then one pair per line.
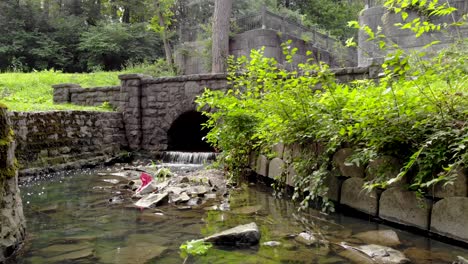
x,y
58,140
442,212
75,94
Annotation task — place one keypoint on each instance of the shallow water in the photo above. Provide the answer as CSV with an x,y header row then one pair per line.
x,y
70,220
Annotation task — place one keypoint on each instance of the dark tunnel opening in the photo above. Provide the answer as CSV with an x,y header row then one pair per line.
x,y
186,133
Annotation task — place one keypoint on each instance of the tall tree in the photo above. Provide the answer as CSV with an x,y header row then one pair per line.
x,y
220,46
161,22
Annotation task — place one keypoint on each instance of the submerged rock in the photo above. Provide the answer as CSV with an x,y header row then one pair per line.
x,y
461,260
385,255
419,255
151,200
247,210
113,181
380,237
373,254
84,253
243,235
135,253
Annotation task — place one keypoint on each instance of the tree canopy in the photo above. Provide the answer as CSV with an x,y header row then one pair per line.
x,y
86,35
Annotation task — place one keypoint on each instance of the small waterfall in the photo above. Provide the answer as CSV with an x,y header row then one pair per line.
x,y
188,157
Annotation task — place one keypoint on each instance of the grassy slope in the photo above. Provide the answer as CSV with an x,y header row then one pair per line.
x,y
33,91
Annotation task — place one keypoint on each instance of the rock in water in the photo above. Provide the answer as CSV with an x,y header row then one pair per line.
x,y
306,239
387,238
461,260
180,198
271,243
384,255
151,200
243,235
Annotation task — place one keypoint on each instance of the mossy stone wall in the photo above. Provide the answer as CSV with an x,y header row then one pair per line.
x,y
12,228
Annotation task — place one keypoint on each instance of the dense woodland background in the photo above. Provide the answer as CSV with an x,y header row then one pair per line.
x,y
92,35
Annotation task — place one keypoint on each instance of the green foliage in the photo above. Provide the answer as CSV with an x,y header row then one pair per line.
x,y
158,68
194,248
109,46
416,112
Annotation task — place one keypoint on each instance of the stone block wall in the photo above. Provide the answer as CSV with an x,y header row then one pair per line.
x,y
57,140
96,96
163,100
379,16
190,58
444,211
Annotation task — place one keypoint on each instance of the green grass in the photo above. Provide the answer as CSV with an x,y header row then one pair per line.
x,y
33,91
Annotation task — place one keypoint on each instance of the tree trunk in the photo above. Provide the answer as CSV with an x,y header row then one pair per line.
x,y
46,9
126,15
220,37
167,46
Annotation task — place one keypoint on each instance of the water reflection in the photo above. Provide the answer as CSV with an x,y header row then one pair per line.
x,y
71,220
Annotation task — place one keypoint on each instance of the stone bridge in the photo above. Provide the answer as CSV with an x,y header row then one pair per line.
x,y
160,113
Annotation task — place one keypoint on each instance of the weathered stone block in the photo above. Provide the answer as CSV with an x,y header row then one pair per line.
x,y
333,184
403,207
450,218
347,169
252,160
291,152
276,168
291,176
459,187
262,165
386,167
278,148
354,196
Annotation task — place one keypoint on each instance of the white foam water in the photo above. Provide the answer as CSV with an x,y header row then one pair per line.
x,y
188,157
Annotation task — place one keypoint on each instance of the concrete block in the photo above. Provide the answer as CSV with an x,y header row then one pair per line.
x,y
334,187
346,169
450,218
386,167
403,207
278,148
291,152
252,160
291,176
459,187
276,168
355,197
262,165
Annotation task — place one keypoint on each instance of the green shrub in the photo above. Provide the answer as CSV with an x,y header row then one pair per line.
x,y
416,112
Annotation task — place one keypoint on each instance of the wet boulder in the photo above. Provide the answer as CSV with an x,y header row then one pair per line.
x,y
386,255
151,200
380,237
243,235
373,254
306,238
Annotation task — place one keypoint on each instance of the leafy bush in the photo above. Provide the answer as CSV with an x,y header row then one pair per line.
x,y
416,112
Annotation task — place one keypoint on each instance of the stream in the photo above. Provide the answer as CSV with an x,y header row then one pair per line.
x,y
82,217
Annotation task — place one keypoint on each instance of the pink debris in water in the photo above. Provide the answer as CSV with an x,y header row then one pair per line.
x,y
146,179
